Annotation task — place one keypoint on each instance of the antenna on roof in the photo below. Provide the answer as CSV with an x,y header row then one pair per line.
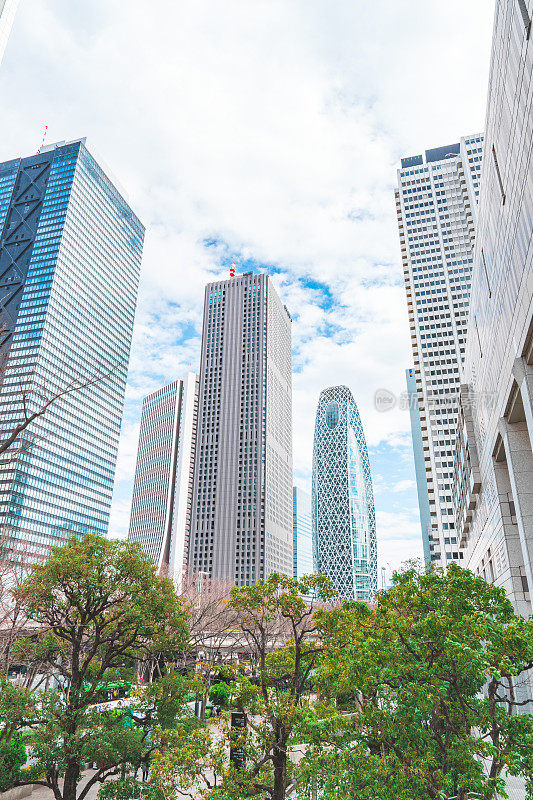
x,y
44,135
232,270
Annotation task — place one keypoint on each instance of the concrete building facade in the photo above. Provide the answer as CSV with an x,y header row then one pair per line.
x,y
242,502
494,464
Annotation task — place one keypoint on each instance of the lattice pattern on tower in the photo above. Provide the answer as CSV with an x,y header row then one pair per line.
x,y
344,523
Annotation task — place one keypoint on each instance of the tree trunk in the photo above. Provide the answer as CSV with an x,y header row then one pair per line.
x,y
203,703
280,774
70,784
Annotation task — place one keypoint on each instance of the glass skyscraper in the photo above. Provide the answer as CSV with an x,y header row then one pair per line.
x,y
7,15
162,491
420,464
344,523
302,534
70,256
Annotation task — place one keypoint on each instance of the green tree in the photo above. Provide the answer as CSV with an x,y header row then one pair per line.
x,y
188,762
277,619
12,759
219,694
17,708
97,608
436,672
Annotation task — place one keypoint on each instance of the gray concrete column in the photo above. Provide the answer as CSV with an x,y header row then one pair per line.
x,y
519,457
523,375
515,558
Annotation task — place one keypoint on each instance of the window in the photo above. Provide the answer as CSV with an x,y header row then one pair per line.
x,y
332,415
498,174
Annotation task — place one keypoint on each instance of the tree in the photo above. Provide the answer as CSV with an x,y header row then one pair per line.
x,y
187,762
33,399
30,400
97,607
277,619
433,671
12,759
214,636
219,694
12,618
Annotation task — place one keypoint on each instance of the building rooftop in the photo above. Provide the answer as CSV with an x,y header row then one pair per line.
x,y
435,154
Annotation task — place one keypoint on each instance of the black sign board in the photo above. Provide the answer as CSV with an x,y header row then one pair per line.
x,y
237,755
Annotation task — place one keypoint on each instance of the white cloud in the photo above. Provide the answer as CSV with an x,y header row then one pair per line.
x,y
127,451
274,129
398,539
403,486
119,519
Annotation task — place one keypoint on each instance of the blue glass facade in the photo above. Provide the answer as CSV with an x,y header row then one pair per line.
x,y
302,534
8,9
344,525
70,255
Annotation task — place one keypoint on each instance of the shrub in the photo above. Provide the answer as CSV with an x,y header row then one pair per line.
x,y
219,694
12,758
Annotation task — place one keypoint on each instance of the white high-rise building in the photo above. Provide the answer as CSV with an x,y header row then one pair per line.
x,y
162,491
436,206
242,506
8,10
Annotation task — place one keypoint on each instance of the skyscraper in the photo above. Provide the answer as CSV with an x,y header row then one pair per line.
x,y
242,501
344,524
8,9
436,206
70,256
162,490
420,465
302,534
494,465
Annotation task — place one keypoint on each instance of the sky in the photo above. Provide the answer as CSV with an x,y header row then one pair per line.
x,y
269,134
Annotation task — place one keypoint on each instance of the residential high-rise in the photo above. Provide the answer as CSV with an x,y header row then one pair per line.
x,y
494,465
8,10
420,463
302,534
436,206
162,490
70,257
344,524
242,501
